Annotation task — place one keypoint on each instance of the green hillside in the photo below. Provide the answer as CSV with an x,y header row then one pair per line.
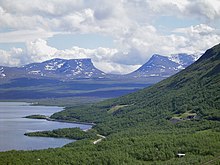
x,y
178,115
194,90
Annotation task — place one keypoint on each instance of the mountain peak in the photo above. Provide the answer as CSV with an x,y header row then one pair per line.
x,y
57,68
73,68
212,53
163,66
156,55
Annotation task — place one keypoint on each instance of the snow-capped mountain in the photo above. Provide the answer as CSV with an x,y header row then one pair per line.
x,y
164,66
55,68
62,78
70,69
156,69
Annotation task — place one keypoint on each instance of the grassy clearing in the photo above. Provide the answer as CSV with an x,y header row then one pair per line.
x,y
116,108
185,115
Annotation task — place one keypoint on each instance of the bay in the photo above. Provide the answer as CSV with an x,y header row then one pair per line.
x,y
13,125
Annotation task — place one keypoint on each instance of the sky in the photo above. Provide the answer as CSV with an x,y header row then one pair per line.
x,y
118,35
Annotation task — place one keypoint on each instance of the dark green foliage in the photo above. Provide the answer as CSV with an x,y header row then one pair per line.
x,y
71,133
36,117
135,147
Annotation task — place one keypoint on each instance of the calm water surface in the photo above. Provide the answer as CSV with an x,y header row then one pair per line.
x,y
13,126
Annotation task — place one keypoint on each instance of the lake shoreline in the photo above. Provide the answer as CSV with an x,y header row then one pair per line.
x,y
15,125
42,117
56,120
74,122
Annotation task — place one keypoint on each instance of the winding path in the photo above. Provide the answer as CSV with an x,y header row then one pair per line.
x,y
100,139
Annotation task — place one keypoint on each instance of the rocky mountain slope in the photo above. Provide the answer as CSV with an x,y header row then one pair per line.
x,y
162,67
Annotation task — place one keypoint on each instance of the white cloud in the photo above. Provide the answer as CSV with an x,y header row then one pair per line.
x,y
41,7
39,51
12,57
110,67
200,29
205,9
165,6
140,45
24,35
202,9
55,15
198,38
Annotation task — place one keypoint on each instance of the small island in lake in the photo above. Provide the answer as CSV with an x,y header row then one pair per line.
x,y
36,117
70,133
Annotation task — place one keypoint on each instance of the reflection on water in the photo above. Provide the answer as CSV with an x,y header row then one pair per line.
x,y
13,126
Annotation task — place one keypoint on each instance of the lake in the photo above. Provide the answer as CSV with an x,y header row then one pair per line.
x,y
13,126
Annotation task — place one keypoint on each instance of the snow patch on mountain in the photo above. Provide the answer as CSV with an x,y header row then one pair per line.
x,y
164,66
2,74
36,72
54,65
183,58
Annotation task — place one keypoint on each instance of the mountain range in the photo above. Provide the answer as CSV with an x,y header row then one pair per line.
x,y
61,78
156,69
